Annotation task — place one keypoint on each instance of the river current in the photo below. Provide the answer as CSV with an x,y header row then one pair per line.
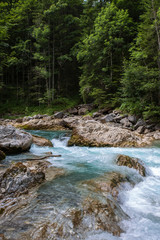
x,y
141,203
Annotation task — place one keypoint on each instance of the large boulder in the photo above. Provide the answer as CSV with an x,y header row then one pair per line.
x,y
18,179
13,140
95,134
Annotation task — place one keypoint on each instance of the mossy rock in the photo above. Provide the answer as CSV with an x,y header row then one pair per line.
x,y
2,155
78,140
2,210
123,160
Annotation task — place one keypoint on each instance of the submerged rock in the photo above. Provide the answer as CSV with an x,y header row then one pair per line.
x,y
98,210
13,140
41,141
123,160
107,184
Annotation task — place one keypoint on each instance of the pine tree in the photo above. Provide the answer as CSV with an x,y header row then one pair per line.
x,y
141,80
102,53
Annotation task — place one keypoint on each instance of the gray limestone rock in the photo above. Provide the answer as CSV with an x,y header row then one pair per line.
x,y
13,140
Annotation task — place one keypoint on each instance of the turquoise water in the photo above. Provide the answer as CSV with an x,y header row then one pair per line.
x,y
141,203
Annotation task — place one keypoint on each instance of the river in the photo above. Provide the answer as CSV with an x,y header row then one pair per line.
x,y
141,203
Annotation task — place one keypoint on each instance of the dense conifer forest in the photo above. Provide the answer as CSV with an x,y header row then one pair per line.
x,y
63,52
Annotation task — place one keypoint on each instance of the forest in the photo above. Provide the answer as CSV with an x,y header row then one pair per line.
x,y
57,53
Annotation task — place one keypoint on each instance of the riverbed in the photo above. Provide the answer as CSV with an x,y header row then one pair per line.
x,y
56,198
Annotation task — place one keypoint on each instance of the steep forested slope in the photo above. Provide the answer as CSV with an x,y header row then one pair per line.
x,y
105,51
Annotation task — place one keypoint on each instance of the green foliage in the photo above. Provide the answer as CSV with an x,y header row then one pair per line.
x,y
99,52
141,78
16,109
51,50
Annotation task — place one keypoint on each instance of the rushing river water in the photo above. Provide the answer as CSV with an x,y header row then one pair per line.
x,y
141,203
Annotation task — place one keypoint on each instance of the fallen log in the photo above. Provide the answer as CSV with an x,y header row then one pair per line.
x,y
42,158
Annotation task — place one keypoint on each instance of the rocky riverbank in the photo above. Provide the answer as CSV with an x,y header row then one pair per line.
x,y
103,128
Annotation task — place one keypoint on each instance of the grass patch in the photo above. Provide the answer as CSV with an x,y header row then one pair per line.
x,y
14,109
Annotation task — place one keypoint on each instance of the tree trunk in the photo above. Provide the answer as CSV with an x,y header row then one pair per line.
x,y
111,70
17,82
53,68
157,31
158,40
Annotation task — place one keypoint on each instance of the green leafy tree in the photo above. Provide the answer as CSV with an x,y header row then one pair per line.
x,y
141,80
102,53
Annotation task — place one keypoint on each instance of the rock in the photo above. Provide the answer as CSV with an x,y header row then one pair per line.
x,y
140,122
73,111
38,116
96,114
123,160
20,196
59,115
13,140
108,184
157,127
108,118
132,119
82,111
18,178
105,110
2,237
157,135
125,122
146,131
98,210
87,117
19,120
140,129
84,108
150,127
2,155
91,132
95,134
117,112
103,207
27,118
89,107
47,118
41,141
118,118
47,123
